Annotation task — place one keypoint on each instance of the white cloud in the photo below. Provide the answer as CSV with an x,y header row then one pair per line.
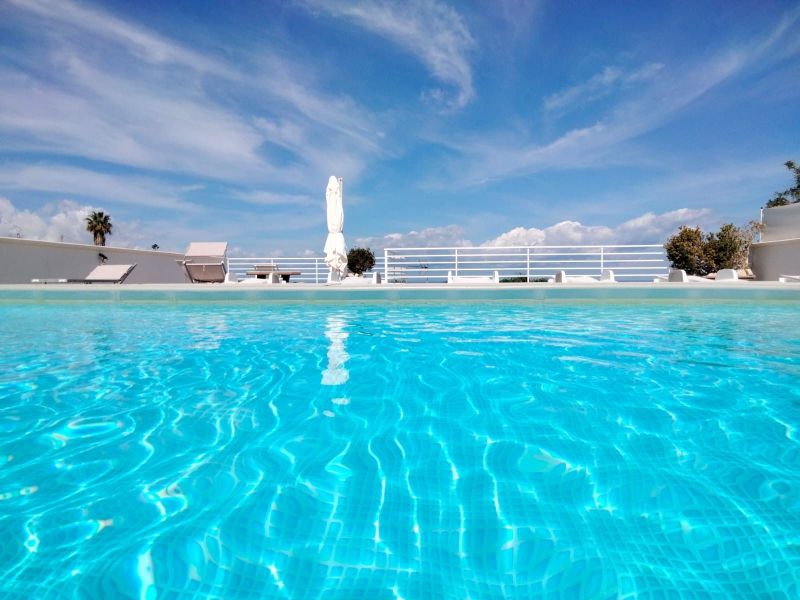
x,y
519,16
140,191
430,30
267,198
106,116
62,221
600,85
486,157
448,235
88,85
145,44
648,228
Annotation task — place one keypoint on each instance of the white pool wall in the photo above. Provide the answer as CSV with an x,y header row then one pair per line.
x,y
342,295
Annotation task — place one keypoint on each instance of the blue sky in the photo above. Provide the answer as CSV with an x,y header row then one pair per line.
x,y
452,122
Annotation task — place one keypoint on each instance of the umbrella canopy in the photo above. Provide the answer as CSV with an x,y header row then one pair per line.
x,y
335,249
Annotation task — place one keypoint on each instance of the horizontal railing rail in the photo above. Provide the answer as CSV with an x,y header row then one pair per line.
x,y
516,263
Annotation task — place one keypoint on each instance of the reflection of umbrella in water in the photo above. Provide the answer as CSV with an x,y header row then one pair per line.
x,y
335,249
336,373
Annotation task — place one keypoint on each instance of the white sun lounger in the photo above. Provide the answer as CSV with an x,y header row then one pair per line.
x,y
106,274
789,278
366,279
472,279
607,276
727,275
674,276
205,262
680,276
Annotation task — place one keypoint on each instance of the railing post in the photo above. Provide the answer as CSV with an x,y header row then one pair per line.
x,y
602,259
385,265
528,265
456,253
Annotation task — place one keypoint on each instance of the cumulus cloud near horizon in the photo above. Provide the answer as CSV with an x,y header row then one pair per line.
x,y
648,228
62,221
645,229
447,235
56,222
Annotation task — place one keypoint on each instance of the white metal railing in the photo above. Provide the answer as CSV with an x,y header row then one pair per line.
x,y
525,263
312,269
518,263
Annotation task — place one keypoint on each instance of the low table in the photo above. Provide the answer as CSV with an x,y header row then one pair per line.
x,y
263,274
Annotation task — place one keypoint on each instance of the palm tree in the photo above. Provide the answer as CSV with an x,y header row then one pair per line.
x,y
99,225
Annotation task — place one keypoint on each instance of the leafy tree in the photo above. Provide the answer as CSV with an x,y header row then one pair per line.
x,y
789,195
360,260
687,250
99,225
727,248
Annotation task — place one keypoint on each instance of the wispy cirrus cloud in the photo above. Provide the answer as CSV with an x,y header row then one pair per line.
x,y
600,85
145,44
88,85
501,155
433,32
101,115
105,187
268,198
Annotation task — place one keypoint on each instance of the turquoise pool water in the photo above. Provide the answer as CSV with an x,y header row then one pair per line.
x,y
495,450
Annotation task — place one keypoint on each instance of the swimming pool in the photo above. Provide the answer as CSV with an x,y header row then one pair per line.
x,y
400,450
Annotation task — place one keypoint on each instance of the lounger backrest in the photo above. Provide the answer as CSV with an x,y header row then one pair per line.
x,y
206,250
727,275
678,275
202,272
109,273
205,261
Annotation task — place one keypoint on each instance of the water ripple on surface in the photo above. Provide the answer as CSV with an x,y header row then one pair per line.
x,y
400,451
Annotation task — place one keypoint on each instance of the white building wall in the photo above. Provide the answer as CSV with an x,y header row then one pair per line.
x,y
780,223
22,260
770,260
778,252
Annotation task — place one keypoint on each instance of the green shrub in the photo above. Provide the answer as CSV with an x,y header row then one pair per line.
x,y
700,254
360,260
687,250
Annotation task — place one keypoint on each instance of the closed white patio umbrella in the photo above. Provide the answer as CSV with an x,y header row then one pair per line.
x,y
335,249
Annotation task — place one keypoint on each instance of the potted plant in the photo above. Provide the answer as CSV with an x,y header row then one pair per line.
x,y
360,260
